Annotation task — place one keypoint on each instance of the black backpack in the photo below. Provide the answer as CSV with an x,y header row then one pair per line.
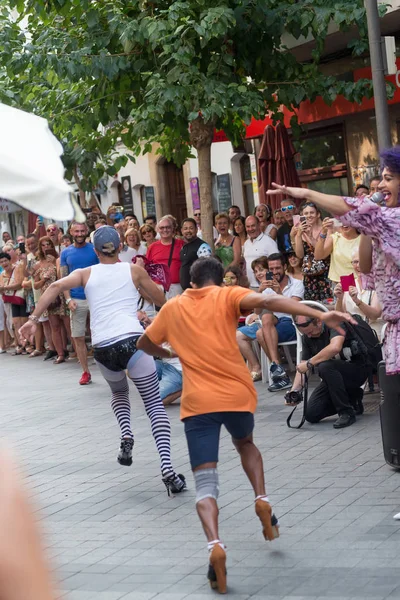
x,y
366,343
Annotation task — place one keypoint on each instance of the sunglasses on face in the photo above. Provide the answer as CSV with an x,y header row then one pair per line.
x,y
306,324
197,214
285,208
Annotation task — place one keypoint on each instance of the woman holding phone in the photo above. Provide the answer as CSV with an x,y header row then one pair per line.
x,y
357,300
304,238
339,245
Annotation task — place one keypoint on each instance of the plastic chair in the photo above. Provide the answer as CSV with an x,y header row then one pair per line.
x,y
265,362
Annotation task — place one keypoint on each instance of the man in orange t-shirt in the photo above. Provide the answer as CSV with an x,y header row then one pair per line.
x,y
217,387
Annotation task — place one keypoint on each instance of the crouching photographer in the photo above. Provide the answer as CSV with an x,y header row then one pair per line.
x,y
340,363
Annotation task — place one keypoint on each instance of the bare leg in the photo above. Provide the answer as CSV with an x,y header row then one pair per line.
x,y
245,348
39,338
252,463
81,350
2,340
270,337
55,324
171,398
47,334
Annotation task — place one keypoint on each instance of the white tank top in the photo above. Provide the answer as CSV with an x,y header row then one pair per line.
x,y
113,300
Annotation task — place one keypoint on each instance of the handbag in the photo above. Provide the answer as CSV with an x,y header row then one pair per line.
x,y
312,266
13,298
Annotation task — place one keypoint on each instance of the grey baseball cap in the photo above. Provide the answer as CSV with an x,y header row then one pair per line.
x,y
106,239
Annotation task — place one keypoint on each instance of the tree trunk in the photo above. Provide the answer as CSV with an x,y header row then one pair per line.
x,y
201,137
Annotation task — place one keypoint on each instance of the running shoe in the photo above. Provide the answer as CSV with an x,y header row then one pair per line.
x,y
277,372
281,384
217,569
268,520
125,452
86,378
174,483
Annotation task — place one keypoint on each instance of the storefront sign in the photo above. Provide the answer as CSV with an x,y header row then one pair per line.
x,y
127,198
224,192
6,206
194,190
150,200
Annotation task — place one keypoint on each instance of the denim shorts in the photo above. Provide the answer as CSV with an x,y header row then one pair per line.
x,y
170,379
203,431
284,327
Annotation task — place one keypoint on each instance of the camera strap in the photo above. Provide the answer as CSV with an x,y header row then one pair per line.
x,y
304,383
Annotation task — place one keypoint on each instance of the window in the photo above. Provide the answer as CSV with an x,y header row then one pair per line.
x,y
321,160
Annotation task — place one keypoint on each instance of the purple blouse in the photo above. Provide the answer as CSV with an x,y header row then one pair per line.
x,y
382,224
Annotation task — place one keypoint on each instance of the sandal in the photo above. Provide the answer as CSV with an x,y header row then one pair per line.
x,y
35,353
255,375
59,360
18,351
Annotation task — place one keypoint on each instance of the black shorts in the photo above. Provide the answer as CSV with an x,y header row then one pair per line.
x,y
117,356
203,431
19,310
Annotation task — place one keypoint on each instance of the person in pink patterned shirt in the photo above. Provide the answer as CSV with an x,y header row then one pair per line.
x,y
382,224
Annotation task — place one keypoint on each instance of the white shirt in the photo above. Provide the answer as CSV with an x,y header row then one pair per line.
x,y
263,245
113,300
127,254
294,288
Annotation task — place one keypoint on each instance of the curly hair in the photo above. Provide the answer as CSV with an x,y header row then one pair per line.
x,y
391,159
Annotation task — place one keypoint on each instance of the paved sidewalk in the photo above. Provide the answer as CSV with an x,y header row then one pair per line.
x,y
112,532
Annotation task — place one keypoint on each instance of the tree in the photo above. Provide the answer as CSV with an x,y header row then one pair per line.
x,y
148,71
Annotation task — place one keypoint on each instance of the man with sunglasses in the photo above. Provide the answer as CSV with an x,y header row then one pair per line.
x,y
288,208
341,368
197,218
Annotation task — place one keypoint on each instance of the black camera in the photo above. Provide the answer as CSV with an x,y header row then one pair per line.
x,y
294,398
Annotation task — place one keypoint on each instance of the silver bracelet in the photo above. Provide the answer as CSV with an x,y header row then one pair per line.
x,y
33,318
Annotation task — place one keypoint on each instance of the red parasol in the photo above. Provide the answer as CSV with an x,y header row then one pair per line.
x,y
285,169
266,164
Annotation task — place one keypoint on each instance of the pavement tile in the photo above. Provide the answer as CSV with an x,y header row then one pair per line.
x,y
113,534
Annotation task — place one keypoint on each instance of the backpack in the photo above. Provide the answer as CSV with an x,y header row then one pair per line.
x,y
367,342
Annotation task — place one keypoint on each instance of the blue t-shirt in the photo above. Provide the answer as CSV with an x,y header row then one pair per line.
x,y
78,258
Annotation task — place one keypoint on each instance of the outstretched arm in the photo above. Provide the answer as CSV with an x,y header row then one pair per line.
x,y
333,204
277,303
56,288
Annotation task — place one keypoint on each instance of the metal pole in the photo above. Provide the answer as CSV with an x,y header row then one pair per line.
x,y
378,75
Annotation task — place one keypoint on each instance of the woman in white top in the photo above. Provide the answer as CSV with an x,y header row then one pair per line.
x,y
133,246
263,213
359,301
340,246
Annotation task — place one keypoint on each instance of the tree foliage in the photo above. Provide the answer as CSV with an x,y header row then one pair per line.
x,y
144,70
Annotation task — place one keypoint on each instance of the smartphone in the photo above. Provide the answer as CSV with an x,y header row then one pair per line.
x,y
296,220
337,223
21,247
269,276
303,219
41,220
347,281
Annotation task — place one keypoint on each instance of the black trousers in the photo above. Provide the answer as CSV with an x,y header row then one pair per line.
x,y
338,391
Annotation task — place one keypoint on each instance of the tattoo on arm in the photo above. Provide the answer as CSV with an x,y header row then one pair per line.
x,y
64,271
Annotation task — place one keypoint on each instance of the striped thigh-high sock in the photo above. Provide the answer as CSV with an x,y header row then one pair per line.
x,y
148,388
121,406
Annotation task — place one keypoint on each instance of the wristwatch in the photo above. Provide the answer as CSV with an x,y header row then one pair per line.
x,y
309,365
67,301
33,318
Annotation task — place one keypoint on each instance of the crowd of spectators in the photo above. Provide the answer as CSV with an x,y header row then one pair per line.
x,y
292,251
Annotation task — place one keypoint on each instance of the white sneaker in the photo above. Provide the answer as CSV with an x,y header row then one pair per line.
x,y
2,351
397,517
